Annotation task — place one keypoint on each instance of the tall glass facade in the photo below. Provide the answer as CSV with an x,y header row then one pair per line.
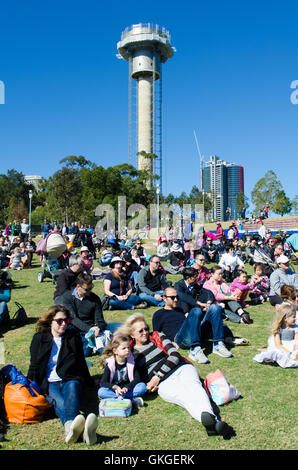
x,y
224,181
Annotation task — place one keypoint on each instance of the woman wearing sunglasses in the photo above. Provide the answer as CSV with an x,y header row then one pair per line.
x,y
58,366
164,370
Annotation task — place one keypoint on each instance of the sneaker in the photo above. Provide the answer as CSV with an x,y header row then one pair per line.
x,y
142,305
221,350
89,435
74,429
198,355
138,401
245,318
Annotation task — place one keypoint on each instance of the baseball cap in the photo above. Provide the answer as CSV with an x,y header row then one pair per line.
x,y
282,259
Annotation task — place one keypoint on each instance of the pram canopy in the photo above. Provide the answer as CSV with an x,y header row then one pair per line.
x,y
293,241
53,245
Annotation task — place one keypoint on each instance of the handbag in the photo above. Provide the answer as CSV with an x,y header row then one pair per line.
x,y
219,389
20,317
23,402
104,302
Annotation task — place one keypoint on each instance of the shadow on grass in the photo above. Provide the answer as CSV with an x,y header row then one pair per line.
x,y
12,327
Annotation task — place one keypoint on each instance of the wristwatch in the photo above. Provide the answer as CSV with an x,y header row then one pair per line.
x,y
158,375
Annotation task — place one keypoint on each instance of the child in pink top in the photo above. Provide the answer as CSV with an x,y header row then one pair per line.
x,y
224,297
260,292
241,287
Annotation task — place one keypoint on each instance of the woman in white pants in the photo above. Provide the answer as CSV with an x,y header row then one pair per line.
x,y
166,371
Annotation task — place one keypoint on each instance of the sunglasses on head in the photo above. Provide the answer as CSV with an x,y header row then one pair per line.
x,y
62,320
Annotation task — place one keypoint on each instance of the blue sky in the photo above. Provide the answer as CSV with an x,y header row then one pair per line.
x,y
66,93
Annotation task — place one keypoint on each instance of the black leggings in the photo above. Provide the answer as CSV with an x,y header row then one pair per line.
x,y
231,309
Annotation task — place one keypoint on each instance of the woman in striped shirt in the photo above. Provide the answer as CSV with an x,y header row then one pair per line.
x,y
166,371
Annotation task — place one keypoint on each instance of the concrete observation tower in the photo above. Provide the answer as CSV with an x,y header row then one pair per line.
x,y
145,47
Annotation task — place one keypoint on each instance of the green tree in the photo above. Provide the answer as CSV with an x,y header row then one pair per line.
x,y
64,194
294,204
14,195
73,161
266,190
282,204
241,201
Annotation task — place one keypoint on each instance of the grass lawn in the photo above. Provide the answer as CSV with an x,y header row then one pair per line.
x,y
263,418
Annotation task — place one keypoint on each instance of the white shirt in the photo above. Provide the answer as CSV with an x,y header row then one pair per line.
x,y
24,228
230,260
52,375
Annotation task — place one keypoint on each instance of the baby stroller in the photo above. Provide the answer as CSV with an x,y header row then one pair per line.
x,y
51,249
84,238
291,247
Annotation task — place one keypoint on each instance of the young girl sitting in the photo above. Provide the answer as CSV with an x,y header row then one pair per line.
x,y
289,295
121,378
15,259
241,287
260,291
283,343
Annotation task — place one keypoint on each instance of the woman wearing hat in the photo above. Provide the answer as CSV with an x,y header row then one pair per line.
x,y
118,288
86,259
176,260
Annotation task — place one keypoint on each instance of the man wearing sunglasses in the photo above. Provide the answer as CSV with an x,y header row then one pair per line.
x,y
85,307
183,328
209,250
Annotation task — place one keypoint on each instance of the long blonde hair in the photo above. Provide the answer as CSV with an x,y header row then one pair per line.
x,y
127,328
283,310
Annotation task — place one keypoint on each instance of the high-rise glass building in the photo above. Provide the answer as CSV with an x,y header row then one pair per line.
x,y
224,181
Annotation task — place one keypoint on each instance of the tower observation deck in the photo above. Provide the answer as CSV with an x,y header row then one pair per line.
x,y
145,47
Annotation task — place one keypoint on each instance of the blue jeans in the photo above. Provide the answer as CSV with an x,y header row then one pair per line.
x,y
67,397
151,300
4,315
134,278
128,304
190,334
138,390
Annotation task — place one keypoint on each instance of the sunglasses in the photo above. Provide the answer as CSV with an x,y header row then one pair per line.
x,y
143,330
173,297
89,289
62,320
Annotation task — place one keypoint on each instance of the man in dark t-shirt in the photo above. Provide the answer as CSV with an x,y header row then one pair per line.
x,y
185,330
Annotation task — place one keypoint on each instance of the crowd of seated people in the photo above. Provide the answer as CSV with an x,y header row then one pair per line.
x,y
211,291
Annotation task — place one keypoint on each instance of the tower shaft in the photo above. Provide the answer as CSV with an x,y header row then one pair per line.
x,y
146,47
145,138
